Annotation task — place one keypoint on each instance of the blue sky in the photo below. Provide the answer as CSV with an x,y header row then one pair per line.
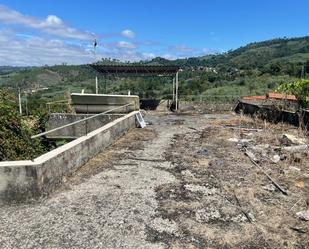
x,y
52,32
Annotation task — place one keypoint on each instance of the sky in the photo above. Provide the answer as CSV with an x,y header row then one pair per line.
x,y
34,33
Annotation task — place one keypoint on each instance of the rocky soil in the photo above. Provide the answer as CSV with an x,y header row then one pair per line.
x,y
182,182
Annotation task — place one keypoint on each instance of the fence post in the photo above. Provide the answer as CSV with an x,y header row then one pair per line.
x,y
86,124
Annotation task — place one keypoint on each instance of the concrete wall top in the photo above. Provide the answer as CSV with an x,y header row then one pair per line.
x,y
96,103
24,180
47,156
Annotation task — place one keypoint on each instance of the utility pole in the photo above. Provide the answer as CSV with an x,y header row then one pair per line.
x,y
95,44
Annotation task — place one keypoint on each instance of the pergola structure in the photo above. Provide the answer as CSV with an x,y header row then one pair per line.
x,y
141,71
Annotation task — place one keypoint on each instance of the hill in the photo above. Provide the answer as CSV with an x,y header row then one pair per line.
x,y
253,69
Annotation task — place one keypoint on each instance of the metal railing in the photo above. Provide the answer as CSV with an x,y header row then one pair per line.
x,y
79,121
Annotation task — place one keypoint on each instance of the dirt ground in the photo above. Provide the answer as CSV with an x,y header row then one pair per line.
x,y
182,182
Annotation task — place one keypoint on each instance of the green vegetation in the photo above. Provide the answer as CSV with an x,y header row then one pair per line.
x,y
15,132
298,88
253,69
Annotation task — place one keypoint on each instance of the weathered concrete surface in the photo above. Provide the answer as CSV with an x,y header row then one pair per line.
x,y
97,103
77,130
21,180
107,210
272,114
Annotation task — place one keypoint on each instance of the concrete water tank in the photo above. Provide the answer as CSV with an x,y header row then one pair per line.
x,y
97,103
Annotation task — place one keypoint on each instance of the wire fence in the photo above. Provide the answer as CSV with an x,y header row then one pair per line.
x,y
210,98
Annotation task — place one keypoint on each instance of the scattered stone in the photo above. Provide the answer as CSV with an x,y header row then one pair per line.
x,y
203,215
303,215
261,147
252,156
305,175
244,141
297,157
297,148
275,158
241,141
199,188
203,152
251,216
288,139
300,184
187,173
164,225
239,218
269,187
233,139
294,168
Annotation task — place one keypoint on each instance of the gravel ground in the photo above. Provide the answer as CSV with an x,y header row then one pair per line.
x,y
179,183
108,209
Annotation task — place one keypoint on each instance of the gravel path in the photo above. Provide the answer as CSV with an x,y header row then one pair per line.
x,y
109,210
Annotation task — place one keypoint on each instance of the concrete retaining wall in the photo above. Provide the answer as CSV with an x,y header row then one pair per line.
x,y
271,114
97,103
77,130
21,180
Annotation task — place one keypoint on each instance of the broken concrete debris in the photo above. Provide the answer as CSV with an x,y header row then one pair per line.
x,y
241,141
303,215
276,158
297,148
289,139
292,168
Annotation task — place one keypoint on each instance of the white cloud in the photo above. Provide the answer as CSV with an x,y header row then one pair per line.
x,y
128,33
26,50
206,51
51,25
169,56
37,51
65,44
149,55
124,44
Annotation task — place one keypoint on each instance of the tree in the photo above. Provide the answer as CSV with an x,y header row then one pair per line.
x,y
298,88
15,132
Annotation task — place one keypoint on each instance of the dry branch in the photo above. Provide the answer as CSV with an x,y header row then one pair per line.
x,y
249,154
